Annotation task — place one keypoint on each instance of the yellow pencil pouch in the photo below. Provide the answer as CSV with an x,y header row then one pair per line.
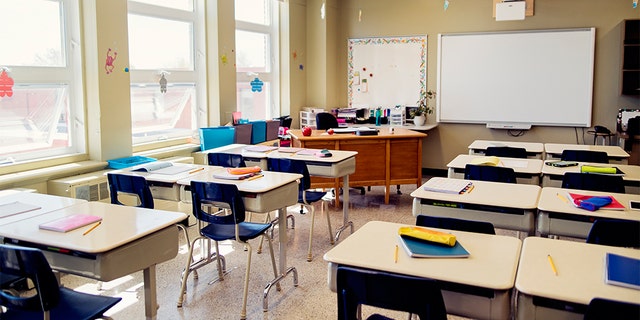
x,y
594,169
428,235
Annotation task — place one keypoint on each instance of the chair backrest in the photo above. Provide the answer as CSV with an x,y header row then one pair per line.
x,y
489,173
219,195
227,160
421,296
455,224
132,185
585,156
593,182
600,309
614,232
29,263
511,152
291,166
326,120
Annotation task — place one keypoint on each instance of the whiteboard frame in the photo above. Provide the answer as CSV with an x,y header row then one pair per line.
x,y
581,111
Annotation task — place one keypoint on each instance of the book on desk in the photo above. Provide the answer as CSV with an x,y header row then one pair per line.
x,y
622,271
417,248
69,223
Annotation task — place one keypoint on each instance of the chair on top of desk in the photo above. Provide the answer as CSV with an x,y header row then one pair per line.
x,y
306,197
602,309
218,227
489,173
615,232
356,287
585,156
326,120
510,152
593,182
455,224
50,300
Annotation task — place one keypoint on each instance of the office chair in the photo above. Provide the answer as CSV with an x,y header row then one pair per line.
x,y
585,156
510,152
223,227
604,309
614,232
227,160
50,300
306,197
356,287
593,182
489,173
455,224
325,120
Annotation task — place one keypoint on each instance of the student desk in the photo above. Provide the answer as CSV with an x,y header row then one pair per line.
x,y
506,205
477,287
580,266
560,218
527,170
383,160
616,154
129,239
273,191
47,203
552,176
534,149
251,158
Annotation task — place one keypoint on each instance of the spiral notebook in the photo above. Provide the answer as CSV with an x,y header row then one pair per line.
x,y
69,223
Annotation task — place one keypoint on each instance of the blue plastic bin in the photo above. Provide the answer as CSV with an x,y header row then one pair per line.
x,y
127,162
259,131
216,137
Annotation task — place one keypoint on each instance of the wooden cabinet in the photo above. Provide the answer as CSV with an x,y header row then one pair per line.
x,y
631,57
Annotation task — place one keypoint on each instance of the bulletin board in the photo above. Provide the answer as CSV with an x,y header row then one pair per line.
x,y
386,72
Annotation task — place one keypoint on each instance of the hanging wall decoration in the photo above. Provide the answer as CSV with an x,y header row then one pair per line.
x,y
256,85
163,83
111,58
6,84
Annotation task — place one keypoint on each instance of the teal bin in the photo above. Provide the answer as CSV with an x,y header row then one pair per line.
x,y
215,137
259,131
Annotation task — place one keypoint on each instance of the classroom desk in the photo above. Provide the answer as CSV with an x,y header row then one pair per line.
x,y
560,218
506,205
251,158
129,239
527,170
477,287
47,203
274,191
340,165
383,160
616,154
552,176
580,266
534,149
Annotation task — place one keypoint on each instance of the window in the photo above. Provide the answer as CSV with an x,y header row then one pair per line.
x,y
165,86
42,115
257,58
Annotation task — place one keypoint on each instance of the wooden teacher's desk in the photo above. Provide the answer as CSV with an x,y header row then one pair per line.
x,y
527,170
383,160
129,239
477,287
544,295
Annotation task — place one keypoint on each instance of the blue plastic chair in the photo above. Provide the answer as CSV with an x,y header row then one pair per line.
x,y
604,309
489,173
227,160
50,301
219,227
510,152
593,182
356,286
455,224
585,156
306,197
614,232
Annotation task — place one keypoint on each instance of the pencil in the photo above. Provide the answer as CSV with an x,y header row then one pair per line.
x,y
395,255
257,176
562,198
471,188
91,229
553,266
196,170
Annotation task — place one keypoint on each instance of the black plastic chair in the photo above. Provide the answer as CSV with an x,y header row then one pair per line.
x,y
49,301
326,120
585,156
617,233
604,309
356,287
455,224
489,173
593,182
227,160
306,197
219,227
510,152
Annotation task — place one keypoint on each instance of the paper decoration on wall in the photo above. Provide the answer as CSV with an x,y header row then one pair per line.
x,y
224,59
111,58
6,84
256,85
635,4
294,55
301,67
446,5
163,83
359,15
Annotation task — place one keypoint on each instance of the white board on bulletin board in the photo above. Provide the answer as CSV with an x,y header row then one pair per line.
x,y
386,71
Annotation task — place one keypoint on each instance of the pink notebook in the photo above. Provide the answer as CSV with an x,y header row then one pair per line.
x,y
70,222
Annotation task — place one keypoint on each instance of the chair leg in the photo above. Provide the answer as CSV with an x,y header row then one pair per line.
x,y
192,266
186,234
326,212
245,291
313,215
267,219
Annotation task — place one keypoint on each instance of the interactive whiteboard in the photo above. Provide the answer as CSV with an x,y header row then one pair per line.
x,y
531,77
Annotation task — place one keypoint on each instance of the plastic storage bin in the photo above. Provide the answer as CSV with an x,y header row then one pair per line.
x,y
259,131
216,137
127,162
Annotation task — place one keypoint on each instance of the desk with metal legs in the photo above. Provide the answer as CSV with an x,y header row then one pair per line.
x,y
527,170
552,176
534,149
615,153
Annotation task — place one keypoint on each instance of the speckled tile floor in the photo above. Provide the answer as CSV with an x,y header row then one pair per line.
x,y
311,299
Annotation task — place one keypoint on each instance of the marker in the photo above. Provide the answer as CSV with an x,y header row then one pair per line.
x,y
395,255
91,229
196,170
553,266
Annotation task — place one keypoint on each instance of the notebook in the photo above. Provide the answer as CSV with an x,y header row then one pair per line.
x,y
622,271
69,223
13,208
260,148
455,186
163,167
417,248
578,199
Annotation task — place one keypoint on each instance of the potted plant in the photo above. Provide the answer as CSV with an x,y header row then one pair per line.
x,y
419,114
